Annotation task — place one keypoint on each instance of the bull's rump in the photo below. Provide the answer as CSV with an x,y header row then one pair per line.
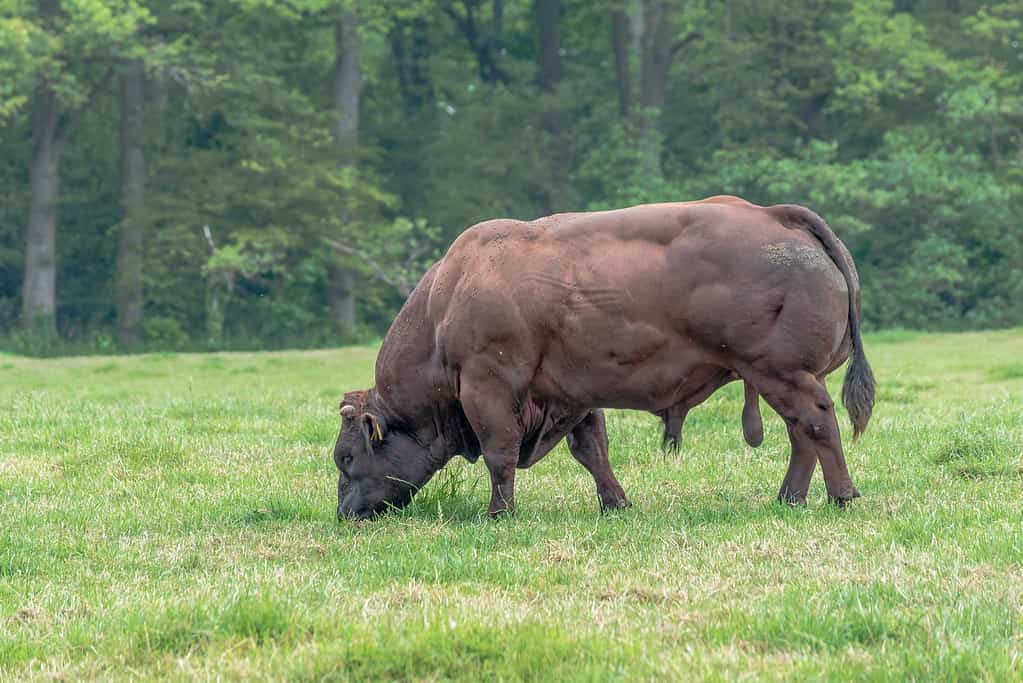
x,y
636,307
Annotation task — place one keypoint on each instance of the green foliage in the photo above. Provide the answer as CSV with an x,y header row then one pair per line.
x,y
164,333
615,170
884,57
899,122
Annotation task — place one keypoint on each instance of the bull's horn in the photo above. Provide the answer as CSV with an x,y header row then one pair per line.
x,y
347,410
378,432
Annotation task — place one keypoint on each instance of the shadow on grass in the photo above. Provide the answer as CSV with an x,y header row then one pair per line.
x,y
277,509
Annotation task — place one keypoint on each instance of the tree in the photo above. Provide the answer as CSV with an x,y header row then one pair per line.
x,y
482,42
133,171
654,28
548,41
621,35
332,147
347,87
549,72
74,45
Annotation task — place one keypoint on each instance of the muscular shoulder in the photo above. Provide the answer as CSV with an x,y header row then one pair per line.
x,y
485,233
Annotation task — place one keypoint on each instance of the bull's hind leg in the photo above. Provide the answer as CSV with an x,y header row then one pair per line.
x,y
802,462
588,443
673,418
809,413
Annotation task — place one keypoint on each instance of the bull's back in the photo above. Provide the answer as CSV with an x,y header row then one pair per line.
x,y
620,307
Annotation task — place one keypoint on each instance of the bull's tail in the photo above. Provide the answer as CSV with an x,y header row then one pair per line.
x,y
858,388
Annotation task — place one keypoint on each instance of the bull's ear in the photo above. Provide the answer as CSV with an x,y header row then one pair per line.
x,y
377,425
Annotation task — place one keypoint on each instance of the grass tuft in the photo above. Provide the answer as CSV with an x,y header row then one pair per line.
x,y
1006,371
974,449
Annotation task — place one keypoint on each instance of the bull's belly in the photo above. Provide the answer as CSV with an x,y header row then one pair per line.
x,y
607,377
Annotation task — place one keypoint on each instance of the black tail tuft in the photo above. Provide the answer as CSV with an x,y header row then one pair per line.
x,y
858,389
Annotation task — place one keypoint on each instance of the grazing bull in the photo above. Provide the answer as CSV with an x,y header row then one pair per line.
x,y
524,331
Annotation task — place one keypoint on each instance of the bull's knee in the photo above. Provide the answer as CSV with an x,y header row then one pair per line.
x,y
817,430
814,418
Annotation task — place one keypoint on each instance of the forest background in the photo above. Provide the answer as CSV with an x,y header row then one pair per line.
x,y
247,174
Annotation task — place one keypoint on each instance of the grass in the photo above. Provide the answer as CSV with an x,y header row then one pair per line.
x,y
172,516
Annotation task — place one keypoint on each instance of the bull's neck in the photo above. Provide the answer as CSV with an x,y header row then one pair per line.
x,y
378,405
439,430
410,392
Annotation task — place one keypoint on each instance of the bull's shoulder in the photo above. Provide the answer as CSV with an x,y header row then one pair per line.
x,y
487,232
726,199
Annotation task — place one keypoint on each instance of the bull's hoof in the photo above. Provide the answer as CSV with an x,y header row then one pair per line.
x,y
614,502
844,498
671,446
500,513
754,439
793,498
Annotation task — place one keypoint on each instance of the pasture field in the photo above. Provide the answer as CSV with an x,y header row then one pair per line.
x,y
172,516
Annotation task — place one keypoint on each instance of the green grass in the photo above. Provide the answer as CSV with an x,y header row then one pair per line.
x,y
172,516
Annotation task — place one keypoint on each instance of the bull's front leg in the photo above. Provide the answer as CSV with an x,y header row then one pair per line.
x,y
490,410
501,463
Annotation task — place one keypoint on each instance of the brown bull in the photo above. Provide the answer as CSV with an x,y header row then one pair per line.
x,y
524,331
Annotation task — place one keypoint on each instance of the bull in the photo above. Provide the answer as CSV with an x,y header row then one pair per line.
x,y
524,331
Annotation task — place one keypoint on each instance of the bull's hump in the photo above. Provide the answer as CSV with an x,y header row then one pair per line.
x,y
653,223
493,231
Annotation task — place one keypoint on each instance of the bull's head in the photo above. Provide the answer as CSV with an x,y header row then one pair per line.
x,y
378,467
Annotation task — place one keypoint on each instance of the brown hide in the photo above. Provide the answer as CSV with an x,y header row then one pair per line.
x,y
524,330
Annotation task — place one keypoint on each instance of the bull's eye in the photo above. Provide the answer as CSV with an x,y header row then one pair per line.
x,y
346,460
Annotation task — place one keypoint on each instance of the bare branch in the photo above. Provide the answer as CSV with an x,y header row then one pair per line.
x,y
209,237
685,42
400,284
482,46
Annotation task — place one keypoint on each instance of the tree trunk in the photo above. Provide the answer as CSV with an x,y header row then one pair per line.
x,y
655,53
484,46
549,73
410,50
214,315
130,244
342,297
548,34
39,288
347,88
620,35
655,61
347,84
